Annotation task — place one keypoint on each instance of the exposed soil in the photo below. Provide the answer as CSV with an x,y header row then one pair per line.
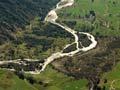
x,y
91,64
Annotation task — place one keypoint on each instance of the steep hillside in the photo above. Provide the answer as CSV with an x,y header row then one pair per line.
x,y
15,14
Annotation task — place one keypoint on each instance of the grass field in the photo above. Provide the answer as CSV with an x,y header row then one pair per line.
x,y
9,81
113,79
106,23
51,79
55,80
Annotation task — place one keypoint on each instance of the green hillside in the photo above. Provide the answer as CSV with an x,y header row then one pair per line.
x,y
15,14
100,17
23,34
9,81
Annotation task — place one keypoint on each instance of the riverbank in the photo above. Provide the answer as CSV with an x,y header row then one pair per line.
x,y
92,64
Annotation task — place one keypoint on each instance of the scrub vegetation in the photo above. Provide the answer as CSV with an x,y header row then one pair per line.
x,y
23,34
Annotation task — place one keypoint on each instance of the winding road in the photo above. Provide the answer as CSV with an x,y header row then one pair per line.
x,y
52,17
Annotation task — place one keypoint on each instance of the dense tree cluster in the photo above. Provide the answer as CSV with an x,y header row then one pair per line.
x,y
38,40
15,14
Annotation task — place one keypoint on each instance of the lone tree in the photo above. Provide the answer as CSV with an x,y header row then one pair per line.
x,y
92,0
31,80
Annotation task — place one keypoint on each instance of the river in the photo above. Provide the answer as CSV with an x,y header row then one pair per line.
x,y
52,17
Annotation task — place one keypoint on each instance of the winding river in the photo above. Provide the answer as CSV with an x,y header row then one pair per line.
x,y
52,17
